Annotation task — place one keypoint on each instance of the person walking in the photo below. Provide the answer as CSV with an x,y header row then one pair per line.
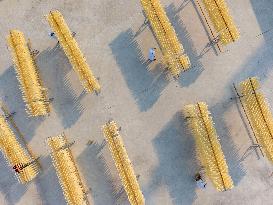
x,y
152,54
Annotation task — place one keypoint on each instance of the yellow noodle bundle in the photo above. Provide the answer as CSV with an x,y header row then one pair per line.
x,y
208,147
172,49
259,114
33,93
73,51
222,21
15,154
67,171
123,164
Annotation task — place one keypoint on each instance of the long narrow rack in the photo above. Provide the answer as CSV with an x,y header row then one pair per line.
x,y
73,51
15,154
123,164
221,19
258,113
67,171
208,147
172,49
34,94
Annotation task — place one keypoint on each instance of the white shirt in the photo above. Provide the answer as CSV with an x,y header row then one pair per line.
x,y
200,184
151,54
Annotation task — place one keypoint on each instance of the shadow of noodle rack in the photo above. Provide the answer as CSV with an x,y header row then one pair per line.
x,y
123,163
221,20
172,49
16,154
67,171
72,51
258,113
208,147
34,95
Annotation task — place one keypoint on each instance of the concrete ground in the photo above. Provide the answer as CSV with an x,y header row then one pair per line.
x,y
140,98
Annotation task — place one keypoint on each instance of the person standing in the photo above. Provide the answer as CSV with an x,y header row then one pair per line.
x,y
201,184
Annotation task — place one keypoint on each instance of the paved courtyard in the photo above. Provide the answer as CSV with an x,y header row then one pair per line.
x,y
140,98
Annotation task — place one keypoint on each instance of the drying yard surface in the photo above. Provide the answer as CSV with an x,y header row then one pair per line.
x,y
141,98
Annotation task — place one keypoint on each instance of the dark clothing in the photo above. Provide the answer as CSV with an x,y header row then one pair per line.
x,y
18,168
